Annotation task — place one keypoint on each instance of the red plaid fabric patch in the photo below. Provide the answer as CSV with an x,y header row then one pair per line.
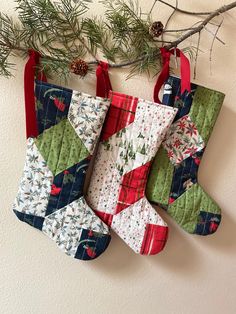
x,y
154,240
132,187
121,113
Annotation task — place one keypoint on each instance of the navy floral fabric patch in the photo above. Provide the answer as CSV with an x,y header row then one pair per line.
x,y
32,220
67,186
185,175
172,95
207,223
91,244
52,104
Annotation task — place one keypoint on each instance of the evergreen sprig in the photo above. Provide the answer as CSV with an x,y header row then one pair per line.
x,y
62,31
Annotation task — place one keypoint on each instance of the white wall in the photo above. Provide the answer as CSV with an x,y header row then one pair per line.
x,y
192,275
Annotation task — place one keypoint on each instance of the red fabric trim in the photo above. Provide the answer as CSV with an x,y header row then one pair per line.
x,y
29,76
184,68
103,80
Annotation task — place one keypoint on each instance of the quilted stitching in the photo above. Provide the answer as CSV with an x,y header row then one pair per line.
x,y
205,110
47,96
187,208
50,196
121,167
66,225
187,202
86,119
61,147
165,170
35,185
67,186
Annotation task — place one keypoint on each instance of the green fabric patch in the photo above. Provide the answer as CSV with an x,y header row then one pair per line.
x,y
205,109
186,209
160,178
61,147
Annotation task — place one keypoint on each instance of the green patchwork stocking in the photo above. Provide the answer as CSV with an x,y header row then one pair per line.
x,y
173,183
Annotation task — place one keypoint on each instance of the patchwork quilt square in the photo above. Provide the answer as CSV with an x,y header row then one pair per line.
x,y
183,140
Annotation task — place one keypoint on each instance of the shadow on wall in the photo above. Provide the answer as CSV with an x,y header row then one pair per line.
x,y
182,253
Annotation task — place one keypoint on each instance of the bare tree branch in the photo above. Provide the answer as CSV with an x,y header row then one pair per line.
x,y
212,44
196,57
183,11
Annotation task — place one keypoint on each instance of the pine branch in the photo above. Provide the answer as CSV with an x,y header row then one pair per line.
x,y
196,30
59,31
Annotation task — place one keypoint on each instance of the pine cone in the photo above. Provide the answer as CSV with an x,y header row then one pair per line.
x,y
156,29
79,67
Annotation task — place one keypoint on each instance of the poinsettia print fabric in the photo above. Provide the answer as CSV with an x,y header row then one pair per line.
x,y
50,196
183,140
173,179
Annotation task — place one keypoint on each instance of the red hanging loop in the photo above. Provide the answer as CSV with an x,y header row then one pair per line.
x,y
184,70
103,80
29,76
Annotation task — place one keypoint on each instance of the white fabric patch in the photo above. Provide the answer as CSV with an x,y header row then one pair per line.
x,y
35,185
130,223
138,143
86,115
104,184
65,225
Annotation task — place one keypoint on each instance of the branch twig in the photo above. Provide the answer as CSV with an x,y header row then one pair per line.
x,y
184,11
215,13
212,44
196,57
168,46
168,20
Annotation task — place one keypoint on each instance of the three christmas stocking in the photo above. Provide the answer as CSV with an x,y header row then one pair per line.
x,y
132,132
172,182
63,127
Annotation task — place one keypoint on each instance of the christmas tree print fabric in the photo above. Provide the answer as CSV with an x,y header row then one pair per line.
x,y
50,196
133,130
172,182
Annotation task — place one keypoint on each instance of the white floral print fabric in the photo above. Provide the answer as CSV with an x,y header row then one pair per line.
x,y
182,140
86,115
66,225
35,184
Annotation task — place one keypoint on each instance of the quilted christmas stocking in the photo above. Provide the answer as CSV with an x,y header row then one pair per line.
x,y
173,183
131,135
62,133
